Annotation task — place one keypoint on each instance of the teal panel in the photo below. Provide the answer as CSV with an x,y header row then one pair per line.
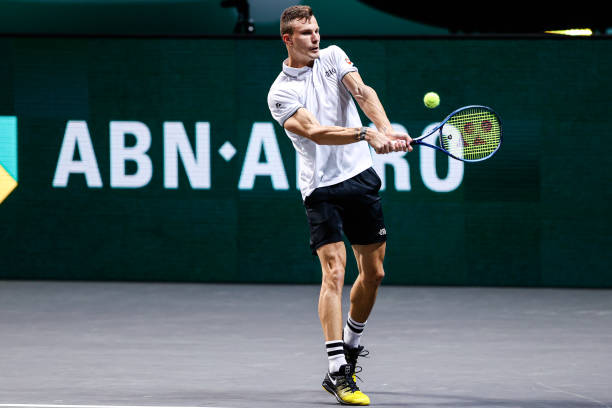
x,y
536,214
8,145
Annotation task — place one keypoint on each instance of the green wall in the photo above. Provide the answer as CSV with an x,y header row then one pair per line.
x,y
108,206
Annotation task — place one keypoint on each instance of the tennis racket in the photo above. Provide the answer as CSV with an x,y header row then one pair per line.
x,y
470,134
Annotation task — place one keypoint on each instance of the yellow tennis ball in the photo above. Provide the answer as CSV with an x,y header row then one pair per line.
x,y
431,100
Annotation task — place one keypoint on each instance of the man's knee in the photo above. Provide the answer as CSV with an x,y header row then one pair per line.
x,y
333,278
370,260
333,264
374,276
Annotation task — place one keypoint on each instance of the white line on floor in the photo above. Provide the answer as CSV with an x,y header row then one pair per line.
x,y
92,406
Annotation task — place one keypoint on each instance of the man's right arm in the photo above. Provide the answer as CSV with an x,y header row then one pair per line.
x,y
303,123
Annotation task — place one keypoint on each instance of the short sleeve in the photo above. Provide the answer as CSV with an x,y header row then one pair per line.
x,y
283,104
342,61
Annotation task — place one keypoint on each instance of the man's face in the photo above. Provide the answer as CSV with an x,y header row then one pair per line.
x,y
305,39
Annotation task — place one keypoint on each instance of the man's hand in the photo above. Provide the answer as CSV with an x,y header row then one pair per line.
x,y
388,142
402,141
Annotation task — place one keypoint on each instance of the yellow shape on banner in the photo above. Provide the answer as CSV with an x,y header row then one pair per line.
x,y
7,184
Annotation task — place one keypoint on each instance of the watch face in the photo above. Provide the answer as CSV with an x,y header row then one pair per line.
x,y
362,133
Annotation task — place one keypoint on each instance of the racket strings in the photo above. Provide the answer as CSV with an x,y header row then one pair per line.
x,y
479,134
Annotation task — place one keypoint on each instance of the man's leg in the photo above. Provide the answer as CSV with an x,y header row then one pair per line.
x,y
333,264
363,293
339,379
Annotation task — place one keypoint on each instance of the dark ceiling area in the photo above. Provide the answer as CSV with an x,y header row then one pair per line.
x,y
499,17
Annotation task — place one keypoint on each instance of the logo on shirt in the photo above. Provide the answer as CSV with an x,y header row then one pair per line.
x,y
330,72
348,61
278,105
382,232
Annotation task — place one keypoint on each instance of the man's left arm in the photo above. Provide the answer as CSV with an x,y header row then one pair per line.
x,y
370,104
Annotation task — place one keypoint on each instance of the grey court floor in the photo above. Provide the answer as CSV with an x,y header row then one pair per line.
x,y
199,345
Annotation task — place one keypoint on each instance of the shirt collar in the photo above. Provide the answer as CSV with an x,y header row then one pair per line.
x,y
295,72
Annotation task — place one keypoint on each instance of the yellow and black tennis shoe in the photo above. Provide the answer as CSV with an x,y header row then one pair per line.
x,y
342,386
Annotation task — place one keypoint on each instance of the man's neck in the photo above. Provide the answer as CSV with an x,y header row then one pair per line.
x,y
295,63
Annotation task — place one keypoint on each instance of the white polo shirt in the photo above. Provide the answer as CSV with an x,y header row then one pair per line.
x,y
320,90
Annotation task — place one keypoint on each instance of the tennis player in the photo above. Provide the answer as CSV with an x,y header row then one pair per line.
x,y
311,99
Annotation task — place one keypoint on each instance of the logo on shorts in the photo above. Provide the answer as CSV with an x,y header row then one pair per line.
x,y
383,231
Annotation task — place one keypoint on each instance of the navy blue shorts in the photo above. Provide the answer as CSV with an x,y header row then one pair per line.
x,y
352,208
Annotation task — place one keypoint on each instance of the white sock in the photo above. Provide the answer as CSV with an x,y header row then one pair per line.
x,y
352,332
335,355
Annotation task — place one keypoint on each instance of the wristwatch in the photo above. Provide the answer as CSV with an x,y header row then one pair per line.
x,y
362,134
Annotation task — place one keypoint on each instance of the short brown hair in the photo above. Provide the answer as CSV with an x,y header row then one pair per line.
x,y
293,13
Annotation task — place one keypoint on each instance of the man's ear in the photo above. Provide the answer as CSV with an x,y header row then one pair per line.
x,y
287,39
